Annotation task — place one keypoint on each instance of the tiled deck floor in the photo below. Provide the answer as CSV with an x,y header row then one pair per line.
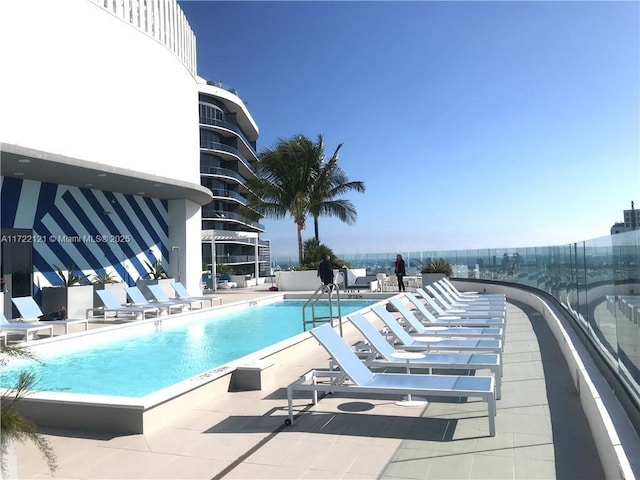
x,y
541,431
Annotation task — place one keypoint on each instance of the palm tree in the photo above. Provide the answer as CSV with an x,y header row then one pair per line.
x,y
12,424
285,176
331,182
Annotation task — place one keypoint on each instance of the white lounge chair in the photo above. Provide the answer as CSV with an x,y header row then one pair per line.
x,y
471,295
138,299
183,294
445,290
160,296
355,377
425,343
112,305
475,330
27,328
449,303
30,311
461,319
459,312
382,352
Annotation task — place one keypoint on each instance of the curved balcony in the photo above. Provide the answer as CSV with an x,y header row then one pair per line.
x,y
230,217
229,151
164,21
222,172
226,194
232,128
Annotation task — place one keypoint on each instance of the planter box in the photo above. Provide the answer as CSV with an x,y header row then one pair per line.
x,y
244,281
298,281
429,278
165,283
118,289
76,300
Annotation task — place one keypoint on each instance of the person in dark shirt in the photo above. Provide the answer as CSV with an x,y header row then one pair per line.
x,y
400,271
325,270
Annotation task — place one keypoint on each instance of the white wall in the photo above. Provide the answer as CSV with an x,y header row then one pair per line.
x,y
184,230
78,81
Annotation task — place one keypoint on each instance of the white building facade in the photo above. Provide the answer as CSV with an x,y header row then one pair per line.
x,y
99,142
228,137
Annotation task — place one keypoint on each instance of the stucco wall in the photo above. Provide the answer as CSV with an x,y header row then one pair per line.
x,y
78,81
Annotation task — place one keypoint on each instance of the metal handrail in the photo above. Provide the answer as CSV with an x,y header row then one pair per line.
x,y
329,289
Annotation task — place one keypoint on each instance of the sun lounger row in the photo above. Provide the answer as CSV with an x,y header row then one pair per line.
x,y
29,322
471,340
141,307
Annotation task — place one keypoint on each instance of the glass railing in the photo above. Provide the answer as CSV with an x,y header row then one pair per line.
x,y
221,147
218,192
223,172
233,128
598,281
211,214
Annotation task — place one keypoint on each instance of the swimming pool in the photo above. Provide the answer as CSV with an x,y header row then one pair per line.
x,y
139,360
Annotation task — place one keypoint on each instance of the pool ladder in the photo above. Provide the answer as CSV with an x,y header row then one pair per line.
x,y
328,292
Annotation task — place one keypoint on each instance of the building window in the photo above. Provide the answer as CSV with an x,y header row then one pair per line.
x,y
210,113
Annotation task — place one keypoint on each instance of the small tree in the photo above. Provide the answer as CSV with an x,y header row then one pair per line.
x,y
223,269
437,266
12,424
156,270
314,251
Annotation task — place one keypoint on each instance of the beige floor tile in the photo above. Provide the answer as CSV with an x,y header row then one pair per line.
x,y
500,468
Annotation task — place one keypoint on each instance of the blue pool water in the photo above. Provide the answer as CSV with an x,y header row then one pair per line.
x,y
137,361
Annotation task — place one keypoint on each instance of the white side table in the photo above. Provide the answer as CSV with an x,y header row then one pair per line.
x,y
408,356
428,340
434,330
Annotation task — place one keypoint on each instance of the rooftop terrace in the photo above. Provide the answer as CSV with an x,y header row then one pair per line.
x,y
542,429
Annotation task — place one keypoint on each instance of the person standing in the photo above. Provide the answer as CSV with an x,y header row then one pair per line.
x,y
401,271
325,270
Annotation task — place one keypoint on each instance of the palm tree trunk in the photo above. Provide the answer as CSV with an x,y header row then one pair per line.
x,y
315,228
300,250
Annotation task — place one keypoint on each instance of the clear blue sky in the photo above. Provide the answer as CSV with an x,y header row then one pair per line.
x,y
472,124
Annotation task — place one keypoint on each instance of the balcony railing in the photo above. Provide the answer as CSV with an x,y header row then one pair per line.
x,y
233,128
218,192
221,147
211,214
230,259
222,172
163,20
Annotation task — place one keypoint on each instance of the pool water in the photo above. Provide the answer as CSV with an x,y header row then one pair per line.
x,y
137,361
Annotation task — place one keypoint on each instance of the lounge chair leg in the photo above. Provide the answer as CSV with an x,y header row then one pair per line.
x,y
491,403
289,421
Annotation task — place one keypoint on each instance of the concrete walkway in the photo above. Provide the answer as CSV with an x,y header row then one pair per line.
x,y
541,429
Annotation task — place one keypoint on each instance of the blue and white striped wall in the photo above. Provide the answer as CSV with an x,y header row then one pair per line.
x,y
91,230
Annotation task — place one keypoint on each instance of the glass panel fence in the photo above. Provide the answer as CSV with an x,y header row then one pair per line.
x,y
597,281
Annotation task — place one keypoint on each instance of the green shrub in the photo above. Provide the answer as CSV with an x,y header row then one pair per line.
x,y
437,266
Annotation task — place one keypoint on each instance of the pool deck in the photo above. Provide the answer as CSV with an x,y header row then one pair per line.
x,y
542,431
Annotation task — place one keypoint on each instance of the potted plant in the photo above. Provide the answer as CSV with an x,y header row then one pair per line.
x,y
75,295
157,275
434,270
156,270
107,281
13,425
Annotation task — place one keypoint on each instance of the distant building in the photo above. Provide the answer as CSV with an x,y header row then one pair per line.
x,y
631,221
228,135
